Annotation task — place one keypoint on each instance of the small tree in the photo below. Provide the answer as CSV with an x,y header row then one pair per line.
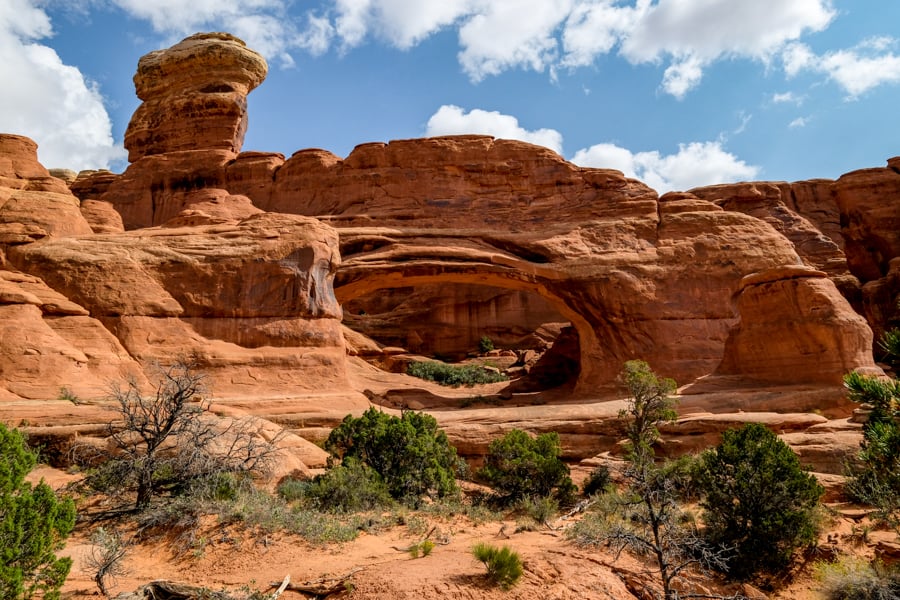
x,y
34,524
411,453
167,441
105,558
520,466
757,499
877,480
649,519
650,404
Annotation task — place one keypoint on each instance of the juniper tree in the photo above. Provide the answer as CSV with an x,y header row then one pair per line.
x,y
34,524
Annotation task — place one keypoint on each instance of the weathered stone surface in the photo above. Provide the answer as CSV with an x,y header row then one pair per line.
x,y
804,212
101,216
20,169
871,217
251,301
157,188
451,320
33,204
91,184
794,320
194,96
48,342
455,182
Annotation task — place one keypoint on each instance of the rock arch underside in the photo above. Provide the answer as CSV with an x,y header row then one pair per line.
x,y
755,297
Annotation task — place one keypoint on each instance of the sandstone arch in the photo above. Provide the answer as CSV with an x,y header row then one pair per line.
x,y
679,281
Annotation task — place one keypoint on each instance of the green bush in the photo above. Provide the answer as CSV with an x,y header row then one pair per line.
x,y
504,567
758,500
877,480
424,548
519,466
541,509
453,375
410,453
485,344
598,482
856,579
349,487
34,524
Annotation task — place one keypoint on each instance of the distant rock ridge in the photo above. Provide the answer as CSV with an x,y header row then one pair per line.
x,y
242,259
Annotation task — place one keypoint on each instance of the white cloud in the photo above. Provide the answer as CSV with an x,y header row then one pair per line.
x,y
695,164
453,120
511,34
696,33
711,29
404,23
263,24
787,98
799,122
497,35
857,70
593,29
49,101
316,38
682,76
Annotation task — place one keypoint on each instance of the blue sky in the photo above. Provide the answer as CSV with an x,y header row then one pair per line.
x,y
678,93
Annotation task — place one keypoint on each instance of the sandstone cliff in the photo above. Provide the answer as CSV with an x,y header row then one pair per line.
x,y
242,260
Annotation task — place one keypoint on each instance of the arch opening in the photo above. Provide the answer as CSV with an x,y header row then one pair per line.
x,y
532,341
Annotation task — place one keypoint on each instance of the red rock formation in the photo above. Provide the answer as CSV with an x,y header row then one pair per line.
x,y
870,216
194,96
190,125
251,302
847,228
789,314
695,283
33,204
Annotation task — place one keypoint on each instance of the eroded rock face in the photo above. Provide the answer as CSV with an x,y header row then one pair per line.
x,y
33,203
229,257
190,125
194,96
870,214
252,302
846,228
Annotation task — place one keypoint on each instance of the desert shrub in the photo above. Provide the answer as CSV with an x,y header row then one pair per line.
x,y
597,482
34,524
504,567
165,442
453,375
876,481
426,546
349,487
757,499
540,509
857,579
410,453
423,548
519,466
485,344
890,344
105,558
681,472
291,490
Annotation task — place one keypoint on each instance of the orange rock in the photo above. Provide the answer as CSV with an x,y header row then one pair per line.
x,y
194,96
33,204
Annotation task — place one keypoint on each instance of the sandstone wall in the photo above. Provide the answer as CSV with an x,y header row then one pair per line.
x,y
225,253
